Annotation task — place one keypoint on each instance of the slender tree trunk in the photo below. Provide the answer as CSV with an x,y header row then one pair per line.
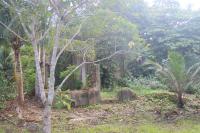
x,y
51,84
18,71
47,119
48,105
43,64
37,93
47,71
18,76
180,99
40,92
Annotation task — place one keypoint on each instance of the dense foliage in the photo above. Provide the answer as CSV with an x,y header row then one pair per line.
x,y
142,31
51,48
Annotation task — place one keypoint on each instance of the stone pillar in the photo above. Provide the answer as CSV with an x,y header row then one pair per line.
x,y
84,76
98,77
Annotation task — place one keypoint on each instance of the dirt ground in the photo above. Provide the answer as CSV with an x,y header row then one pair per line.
x,y
154,108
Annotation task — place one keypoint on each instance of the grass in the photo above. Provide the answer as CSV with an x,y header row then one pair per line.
x,y
142,90
186,126
105,129
11,129
131,117
108,94
146,91
155,98
139,90
1,130
183,126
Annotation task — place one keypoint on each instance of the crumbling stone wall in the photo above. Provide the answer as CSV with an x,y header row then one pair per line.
x,y
85,97
126,95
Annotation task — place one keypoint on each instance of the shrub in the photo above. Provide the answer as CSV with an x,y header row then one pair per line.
x,y
124,82
78,84
148,82
7,90
193,89
107,76
28,68
62,100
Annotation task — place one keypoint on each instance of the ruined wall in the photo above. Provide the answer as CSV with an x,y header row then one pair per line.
x,y
85,97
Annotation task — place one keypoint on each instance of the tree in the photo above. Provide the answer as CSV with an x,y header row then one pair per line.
x,y
171,27
7,87
113,31
15,43
175,74
32,15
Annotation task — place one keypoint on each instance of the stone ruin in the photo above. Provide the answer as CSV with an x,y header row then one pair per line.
x,y
88,96
85,97
126,94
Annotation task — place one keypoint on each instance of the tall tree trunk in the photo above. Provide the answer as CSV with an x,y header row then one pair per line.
x,y
16,44
18,70
47,119
37,88
43,64
180,99
40,92
51,84
48,105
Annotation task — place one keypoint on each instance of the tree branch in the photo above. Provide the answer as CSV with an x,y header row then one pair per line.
x,y
44,35
66,78
13,32
52,2
84,62
70,41
65,14
106,58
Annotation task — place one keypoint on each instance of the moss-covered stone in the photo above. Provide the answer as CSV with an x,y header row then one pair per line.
x,y
85,97
126,94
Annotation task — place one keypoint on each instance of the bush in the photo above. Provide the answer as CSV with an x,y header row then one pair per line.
x,y
28,68
193,89
78,84
7,90
124,82
63,100
137,69
108,79
151,83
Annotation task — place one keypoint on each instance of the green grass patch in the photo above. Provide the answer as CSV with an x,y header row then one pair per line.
x,y
186,126
12,129
105,129
141,90
108,94
138,90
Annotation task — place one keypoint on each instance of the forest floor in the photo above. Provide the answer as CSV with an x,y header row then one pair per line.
x,y
153,112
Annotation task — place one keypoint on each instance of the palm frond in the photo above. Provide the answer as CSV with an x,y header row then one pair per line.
x,y
154,65
192,68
